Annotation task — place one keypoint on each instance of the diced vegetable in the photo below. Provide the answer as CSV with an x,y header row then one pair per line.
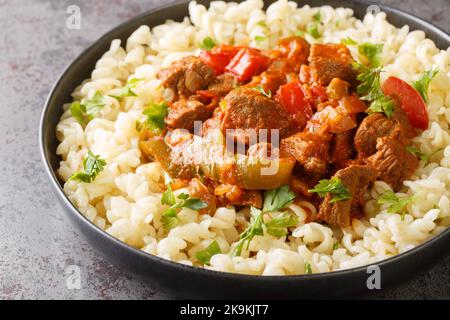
x,y
247,63
293,98
219,57
410,101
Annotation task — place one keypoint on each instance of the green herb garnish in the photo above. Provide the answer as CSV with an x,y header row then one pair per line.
x,y
155,116
127,91
85,110
308,269
274,200
204,256
261,90
169,217
422,85
372,52
336,245
396,204
92,166
424,158
313,30
370,90
349,41
207,44
335,187
260,39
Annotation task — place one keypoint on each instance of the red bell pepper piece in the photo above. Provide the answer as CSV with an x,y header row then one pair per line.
x,y
410,101
247,63
294,99
219,57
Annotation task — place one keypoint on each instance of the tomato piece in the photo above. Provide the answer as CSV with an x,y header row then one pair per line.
x,y
219,57
295,101
247,63
410,101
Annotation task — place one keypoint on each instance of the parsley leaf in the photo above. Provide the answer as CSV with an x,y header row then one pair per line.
x,y
127,91
92,166
207,44
424,158
169,217
273,200
372,52
155,116
335,187
277,199
423,83
85,110
370,90
204,256
317,16
349,41
260,39
336,245
261,90
138,125
277,226
396,205
313,29
308,269
254,229
262,24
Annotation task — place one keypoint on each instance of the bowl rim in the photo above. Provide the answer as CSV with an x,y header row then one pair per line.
x,y
58,188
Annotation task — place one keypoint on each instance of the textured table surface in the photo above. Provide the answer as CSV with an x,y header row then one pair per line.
x,y
36,242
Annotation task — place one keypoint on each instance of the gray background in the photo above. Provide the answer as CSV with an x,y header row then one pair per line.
x,y
36,242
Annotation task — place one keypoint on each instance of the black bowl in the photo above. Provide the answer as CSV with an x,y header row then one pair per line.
x,y
192,282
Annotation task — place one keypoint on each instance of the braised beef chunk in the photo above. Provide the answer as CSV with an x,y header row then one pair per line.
x,y
329,61
186,76
295,50
393,161
373,127
184,112
341,148
247,111
310,150
356,179
223,84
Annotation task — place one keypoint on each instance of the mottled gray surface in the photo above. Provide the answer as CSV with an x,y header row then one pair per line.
x,y
36,242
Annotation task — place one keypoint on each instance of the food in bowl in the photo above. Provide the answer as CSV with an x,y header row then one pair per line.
x,y
278,142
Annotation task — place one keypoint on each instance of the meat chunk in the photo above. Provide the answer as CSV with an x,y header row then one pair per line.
x,y
329,61
393,161
373,127
341,148
295,50
223,84
186,76
310,150
247,111
184,112
356,179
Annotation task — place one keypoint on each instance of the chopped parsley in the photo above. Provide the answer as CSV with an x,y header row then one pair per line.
x,y
274,200
335,187
207,44
336,245
423,83
260,39
204,256
349,41
85,110
92,166
127,91
262,24
372,52
313,30
308,269
370,90
155,116
424,158
396,204
317,17
261,90
169,217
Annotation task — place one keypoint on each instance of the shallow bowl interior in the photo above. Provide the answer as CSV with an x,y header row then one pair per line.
x,y
185,281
